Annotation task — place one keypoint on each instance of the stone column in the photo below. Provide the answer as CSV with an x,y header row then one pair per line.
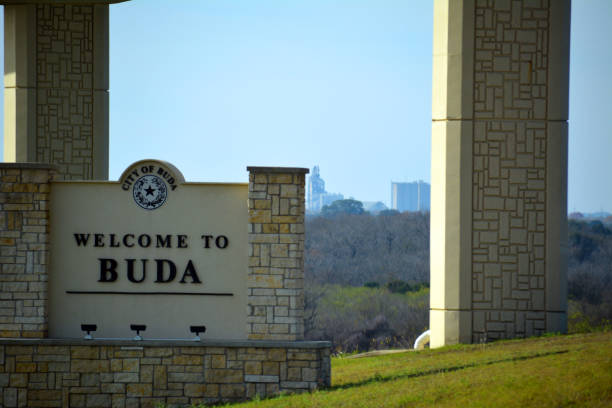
x,y
56,85
24,248
499,169
275,308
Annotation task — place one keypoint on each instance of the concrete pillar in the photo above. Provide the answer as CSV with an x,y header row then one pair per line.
x,y
499,169
56,85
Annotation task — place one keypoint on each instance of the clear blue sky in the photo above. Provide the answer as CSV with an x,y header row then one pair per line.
x,y
214,86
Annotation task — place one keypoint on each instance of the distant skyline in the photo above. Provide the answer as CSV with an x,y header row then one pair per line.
x,y
214,86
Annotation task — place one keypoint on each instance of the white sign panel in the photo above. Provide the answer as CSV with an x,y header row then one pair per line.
x,y
148,250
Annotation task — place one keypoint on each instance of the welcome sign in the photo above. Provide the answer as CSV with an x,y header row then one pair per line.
x,y
149,249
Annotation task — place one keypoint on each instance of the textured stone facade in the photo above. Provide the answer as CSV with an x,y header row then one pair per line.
x,y
24,249
64,98
276,253
500,169
56,87
509,168
508,248
511,59
76,373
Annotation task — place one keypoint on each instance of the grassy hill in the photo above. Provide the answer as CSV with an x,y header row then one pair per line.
x,y
556,371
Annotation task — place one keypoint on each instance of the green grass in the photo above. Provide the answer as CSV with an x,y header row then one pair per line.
x,y
555,371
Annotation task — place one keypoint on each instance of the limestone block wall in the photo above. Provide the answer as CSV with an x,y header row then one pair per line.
x,y
78,373
24,249
56,87
499,168
276,253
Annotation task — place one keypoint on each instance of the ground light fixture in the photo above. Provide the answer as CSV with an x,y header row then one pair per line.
x,y
88,328
197,330
138,328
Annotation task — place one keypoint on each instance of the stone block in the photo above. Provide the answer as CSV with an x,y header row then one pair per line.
x,y
126,377
309,374
160,377
186,377
89,366
187,360
284,263
158,352
286,219
262,204
112,388
270,368
139,390
265,281
125,352
84,390
131,365
223,376
77,400
280,178
215,350
25,367
276,354
116,364
57,367
294,374
233,391
85,352
195,390
261,378
259,178
289,190
104,377
264,238
218,361
99,401
271,228
9,397
293,385
18,380
273,189
252,367
211,391
279,250
90,380
260,216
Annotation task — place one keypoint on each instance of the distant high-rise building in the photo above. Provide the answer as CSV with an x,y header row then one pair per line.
x,y
413,196
316,188
424,196
317,196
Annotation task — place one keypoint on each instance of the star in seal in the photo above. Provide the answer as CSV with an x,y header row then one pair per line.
x,y
150,192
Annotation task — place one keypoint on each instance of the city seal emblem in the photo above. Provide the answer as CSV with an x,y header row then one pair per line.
x,y
150,183
150,192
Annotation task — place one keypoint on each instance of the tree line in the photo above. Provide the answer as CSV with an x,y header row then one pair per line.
x,y
367,276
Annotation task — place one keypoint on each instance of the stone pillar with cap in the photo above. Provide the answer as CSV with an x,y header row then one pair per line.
x,y
275,280
499,169
56,85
